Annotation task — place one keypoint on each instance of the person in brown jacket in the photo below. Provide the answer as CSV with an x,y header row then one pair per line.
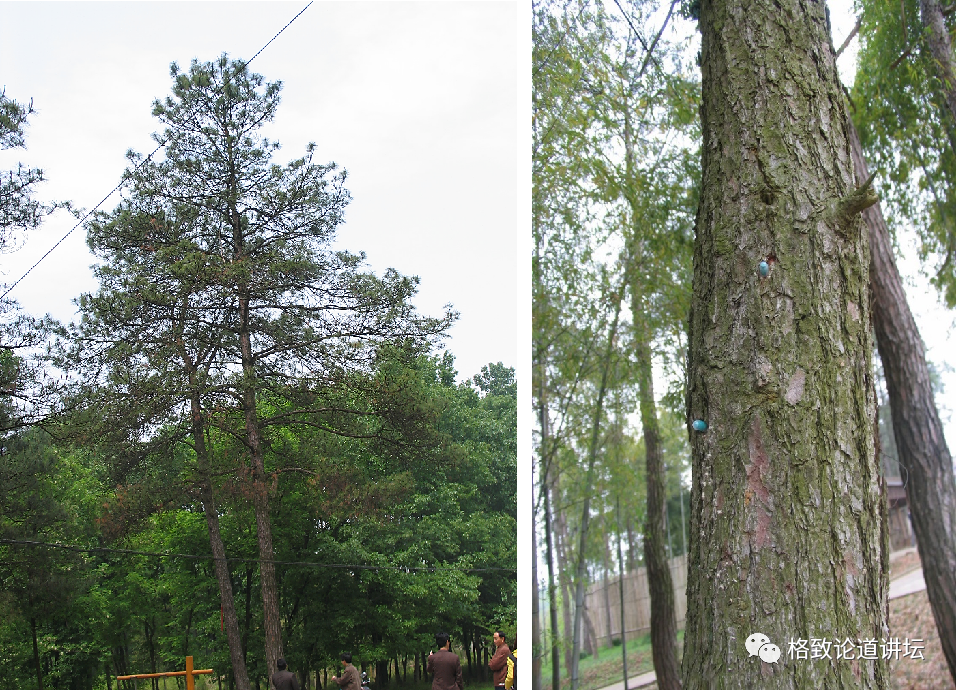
x,y
499,661
284,679
444,665
350,676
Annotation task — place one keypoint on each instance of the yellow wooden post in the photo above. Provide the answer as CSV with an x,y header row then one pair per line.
x,y
189,674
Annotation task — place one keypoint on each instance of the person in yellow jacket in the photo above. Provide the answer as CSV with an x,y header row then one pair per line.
x,y
512,668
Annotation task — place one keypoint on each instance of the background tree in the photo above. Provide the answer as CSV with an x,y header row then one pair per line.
x,y
779,366
19,211
905,79
610,209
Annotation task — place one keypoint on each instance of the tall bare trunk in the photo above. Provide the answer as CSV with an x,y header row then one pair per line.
x,y
580,579
663,617
660,582
917,429
535,609
260,503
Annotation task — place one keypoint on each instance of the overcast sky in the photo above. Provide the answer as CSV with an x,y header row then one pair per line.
x,y
417,101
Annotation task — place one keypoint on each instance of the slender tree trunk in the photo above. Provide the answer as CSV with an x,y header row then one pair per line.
x,y
260,501
660,582
608,630
260,490
226,599
620,587
941,49
564,581
580,580
247,616
917,429
535,608
586,638
789,518
36,653
151,649
552,593
661,585
632,550
230,619
544,469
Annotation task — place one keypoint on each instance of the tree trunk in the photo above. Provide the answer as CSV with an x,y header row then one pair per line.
x,y
941,49
789,532
620,589
608,629
917,429
260,490
36,653
226,599
564,581
660,583
535,609
552,593
580,579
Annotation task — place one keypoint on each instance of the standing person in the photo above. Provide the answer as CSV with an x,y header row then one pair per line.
x,y
284,679
499,661
445,665
512,679
350,676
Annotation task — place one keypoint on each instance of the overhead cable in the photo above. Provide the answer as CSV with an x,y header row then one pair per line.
x,y
161,145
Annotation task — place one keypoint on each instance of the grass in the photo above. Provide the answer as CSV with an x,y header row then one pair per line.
x,y
606,667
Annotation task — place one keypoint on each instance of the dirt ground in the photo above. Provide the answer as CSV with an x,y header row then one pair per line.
x,y
911,617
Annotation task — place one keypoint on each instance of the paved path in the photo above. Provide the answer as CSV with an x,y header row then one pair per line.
x,y
907,584
635,682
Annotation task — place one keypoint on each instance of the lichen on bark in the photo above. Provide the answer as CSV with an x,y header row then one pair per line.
x,y
788,515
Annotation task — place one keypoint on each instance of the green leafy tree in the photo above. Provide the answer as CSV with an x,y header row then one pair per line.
x,y
46,499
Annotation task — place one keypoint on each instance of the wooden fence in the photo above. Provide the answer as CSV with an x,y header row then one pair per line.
x,y
603,595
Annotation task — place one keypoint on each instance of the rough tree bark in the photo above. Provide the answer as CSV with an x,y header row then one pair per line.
x,y
941,49
789,532
917,429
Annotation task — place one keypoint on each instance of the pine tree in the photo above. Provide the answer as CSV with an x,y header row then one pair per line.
x,y
272,308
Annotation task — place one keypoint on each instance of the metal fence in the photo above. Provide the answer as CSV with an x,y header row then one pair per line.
x,y
604,596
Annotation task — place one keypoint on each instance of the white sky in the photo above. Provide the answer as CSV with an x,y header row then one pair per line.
x,y
418,101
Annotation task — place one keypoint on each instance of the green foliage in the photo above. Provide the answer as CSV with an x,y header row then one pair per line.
x,y
615,191
907,134
21,383
433,495
19,212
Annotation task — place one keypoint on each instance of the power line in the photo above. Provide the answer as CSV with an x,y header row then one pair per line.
x,y
144,161
209,557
